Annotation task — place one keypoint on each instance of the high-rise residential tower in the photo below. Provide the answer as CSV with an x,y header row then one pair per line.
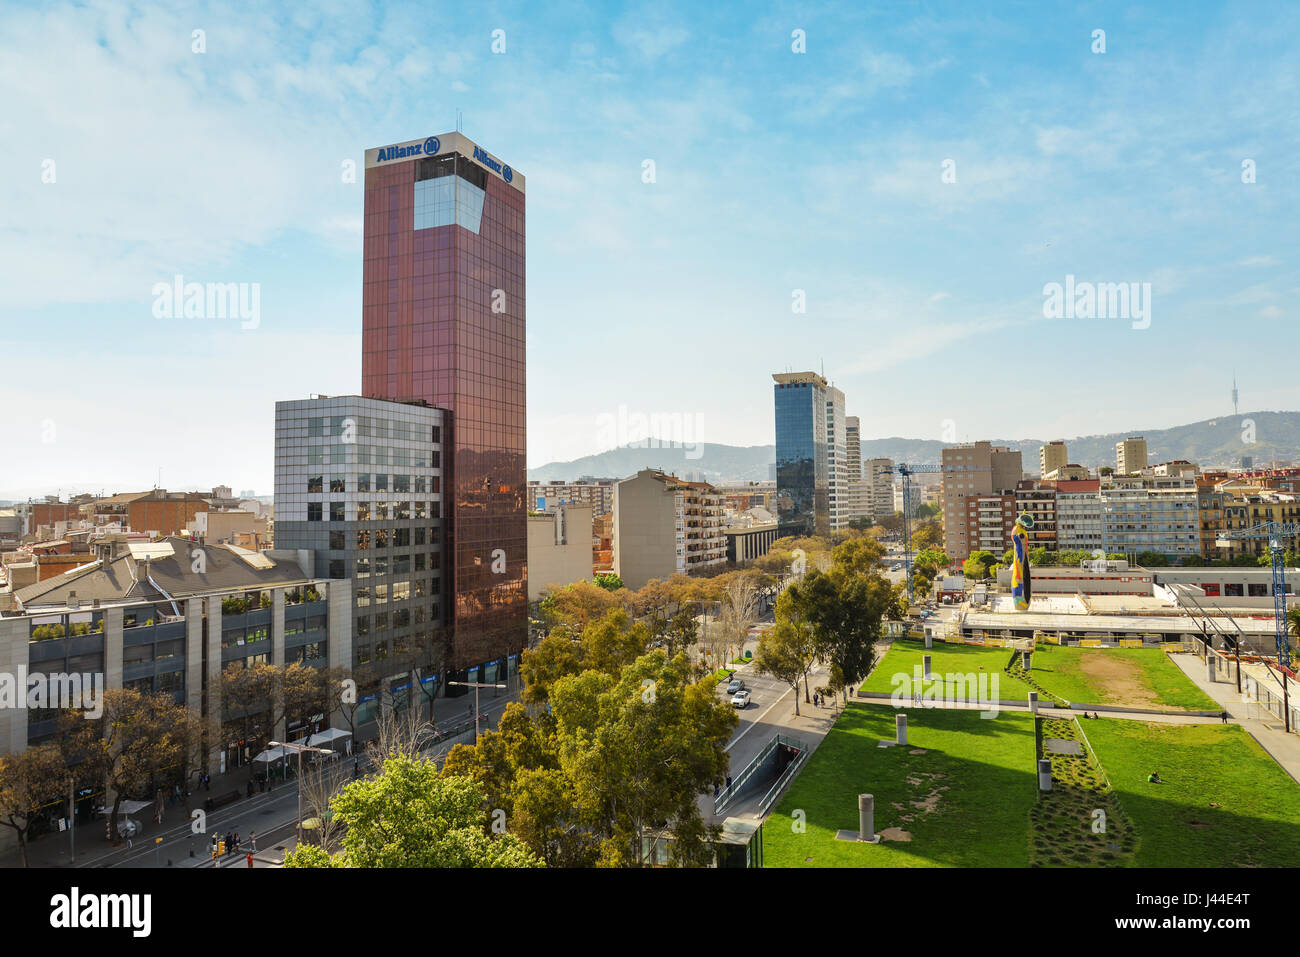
x,y
1131,455
444,318
1052,456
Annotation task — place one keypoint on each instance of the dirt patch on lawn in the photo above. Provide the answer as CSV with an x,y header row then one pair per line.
x,y
895,834
1121,678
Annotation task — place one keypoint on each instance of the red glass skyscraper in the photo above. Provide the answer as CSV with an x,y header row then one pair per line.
x,y
443,322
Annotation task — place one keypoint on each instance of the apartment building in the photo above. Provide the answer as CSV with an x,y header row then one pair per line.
x,y
1150,515
1130,455
969,472
879,475
1247,511
547,496
857,492
1052,456
559,548
989,520
665,526
1078,515
1038,499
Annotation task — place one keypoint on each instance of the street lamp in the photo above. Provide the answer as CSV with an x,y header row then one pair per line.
x,y
300,748
475,685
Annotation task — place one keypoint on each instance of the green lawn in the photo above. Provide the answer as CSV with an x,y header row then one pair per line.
x,y
977,775
905,655
1256,822
1140,677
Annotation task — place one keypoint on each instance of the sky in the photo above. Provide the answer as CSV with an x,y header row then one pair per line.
x,y
715,193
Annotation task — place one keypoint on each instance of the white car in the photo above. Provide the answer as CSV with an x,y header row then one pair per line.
x,y
740,699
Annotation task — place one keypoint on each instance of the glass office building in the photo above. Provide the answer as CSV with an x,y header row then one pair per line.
x,y
444,320
802,460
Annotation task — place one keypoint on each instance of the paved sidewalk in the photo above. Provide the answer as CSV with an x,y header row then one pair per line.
x,y
1264,727
94,850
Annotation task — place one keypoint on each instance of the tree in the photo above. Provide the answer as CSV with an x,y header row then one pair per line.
x,y
138,736
785,652
639,750
844,611
575,606
978,564
740,601
929,534
609,581
409,816
29,780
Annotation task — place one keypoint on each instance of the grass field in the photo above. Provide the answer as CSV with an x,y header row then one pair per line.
x,y
905,655
1225,802
1139,677
965,799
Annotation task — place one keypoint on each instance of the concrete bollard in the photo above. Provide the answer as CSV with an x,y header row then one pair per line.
x,y
925,667
900,728
1045,774
929,639
867,819
1209,668
1024,660
1033,702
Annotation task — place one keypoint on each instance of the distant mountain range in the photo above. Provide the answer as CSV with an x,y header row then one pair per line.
x,y
1261,436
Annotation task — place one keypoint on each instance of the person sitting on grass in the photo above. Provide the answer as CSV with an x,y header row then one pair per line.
x,y
1154,778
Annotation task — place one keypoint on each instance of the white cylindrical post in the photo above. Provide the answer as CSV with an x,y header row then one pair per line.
x,y
1033,702
1045,774
925,666
1024,660
866,817
1209,666
900,728
929,638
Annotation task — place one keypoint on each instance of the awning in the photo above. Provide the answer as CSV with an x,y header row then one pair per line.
x,y
133,807
271,754
328,737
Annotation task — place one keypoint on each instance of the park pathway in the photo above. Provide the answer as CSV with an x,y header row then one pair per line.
x,y
1263,726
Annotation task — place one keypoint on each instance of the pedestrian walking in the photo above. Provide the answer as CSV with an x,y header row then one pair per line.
x,y
214,848
236,842
1224,716
230,843
252,840
250,787
250,860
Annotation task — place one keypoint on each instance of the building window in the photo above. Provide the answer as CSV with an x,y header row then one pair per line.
x,y
315,483
338,541
336,568
313,511
336,511
363,482
337,484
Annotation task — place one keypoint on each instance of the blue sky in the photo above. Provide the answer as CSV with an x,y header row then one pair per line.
x,y
775,171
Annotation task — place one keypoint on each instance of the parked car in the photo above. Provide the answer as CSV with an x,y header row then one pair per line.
x,y
736,685
740,699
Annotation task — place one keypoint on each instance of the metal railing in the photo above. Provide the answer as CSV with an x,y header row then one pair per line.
x,y
729,793
783,782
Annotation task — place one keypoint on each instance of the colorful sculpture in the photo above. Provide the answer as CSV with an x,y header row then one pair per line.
x,y
1020,588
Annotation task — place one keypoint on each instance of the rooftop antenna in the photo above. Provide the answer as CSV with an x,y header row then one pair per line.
x,y
1234,392
458,120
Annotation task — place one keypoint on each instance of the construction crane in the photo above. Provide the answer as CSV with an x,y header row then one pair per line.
x,y
1276,533
907,471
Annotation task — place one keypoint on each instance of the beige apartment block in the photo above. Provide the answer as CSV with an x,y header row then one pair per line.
x,y
1131,455
664,526
1052,456
559,548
